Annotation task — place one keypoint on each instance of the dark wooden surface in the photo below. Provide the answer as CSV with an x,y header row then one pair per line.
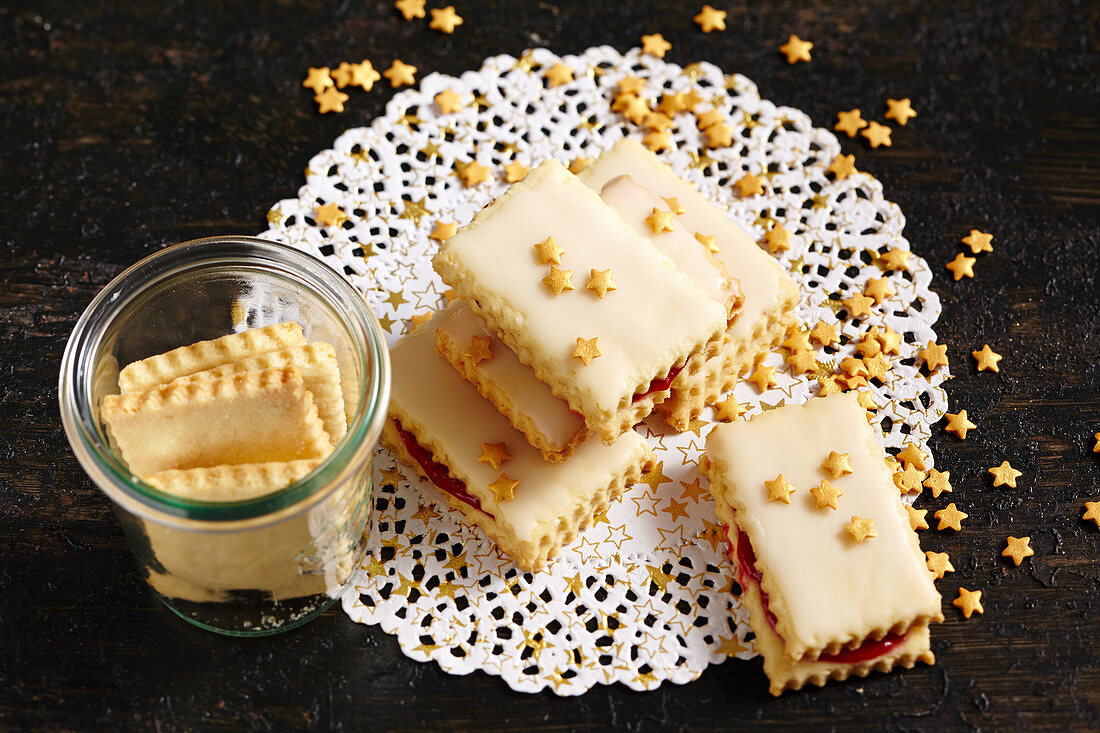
x,y
126,126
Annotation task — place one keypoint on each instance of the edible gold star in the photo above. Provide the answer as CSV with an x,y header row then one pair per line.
x,y
710,19
850,123
843,166
693,98
548,252
962,266
763,377
657,121
659,221
515,171
779,489
853,367
867,401
1005,475
672,104
750,185
916,517
978,241
655,45
559,74
1018,548
410,8
479,350
318,79
448,101
934,355
331,215
899,110
504,488
728,409
443,231
830,385
969,602
363,75
909,480
330,100
877,134
795,49
860,529
797,339
895,259
825,494
1092,511
674,205
825,333
631,85
803,360
858,305
877,367
879,289
913,456
400,74
950,517
959,424
987,358
495,454
472,173
719,136
657,141
703,120
778,239
1096,448
707,240
599,282
341,74
445,20
559,280
635,109
587,349
939,563
837,464
939,482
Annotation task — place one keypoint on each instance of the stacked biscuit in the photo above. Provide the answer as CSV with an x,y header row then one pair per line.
x,y
583,309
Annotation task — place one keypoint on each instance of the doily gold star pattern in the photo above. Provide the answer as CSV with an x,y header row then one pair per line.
x,y
599,282
472,173
330,100
779,489
763,377
750,185
916,517
655,45
411,9
837,464
731,647
987,358
843,166
962,266
515,171
710,19
969,602
1092,512
425,512
414,211
1005,475
939,563
559,74
912,455
559,280
795,49
443,231
693,491
728,410
445,20
418,320
548,252
707,240
850,123
675,508
363,75
959,424
778,239
950,517
479,350
934,355
659,578
1018,548
877,134
978,241
860,529
659,221
318,79
587,349
400,74
825,494
331,215
939,482
899,110
504,488
495,454
448,101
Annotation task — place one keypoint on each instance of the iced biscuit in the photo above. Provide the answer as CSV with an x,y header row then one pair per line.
x,y
832,572
769,293
440,426
252,417
320,374
600,314
198,357
472,349
238,482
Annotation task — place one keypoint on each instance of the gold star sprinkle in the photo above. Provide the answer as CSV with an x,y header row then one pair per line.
x,y
448,101
803,360
400,74
579,164
950,517
877,134
657,141
708,241
635,109
515,171
987,358
916,518
342,74
479,350
879,289
559,280
962,266
959,424
330,215
719,136
798,339
318,79
443,231
850,123
1096,448
933,355
763,377
939,482
895,259
657,121
779,489
978,241
659,221
778,239
599,282
837,464
330,100
674,205
631,85
587,349
825,494
843,166
559,74
750,185
825,333
655,45
710,19
410,8
495,454
939,563
899,110
1005,475
1092,511
445,20
548,252
858,305
860,529
703,120
913,456
504,488
363,75
1018,548
908,480
795,49
728,410
969,602
473,173
673,104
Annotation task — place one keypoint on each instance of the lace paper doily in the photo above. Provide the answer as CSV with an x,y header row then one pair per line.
x,y
645,595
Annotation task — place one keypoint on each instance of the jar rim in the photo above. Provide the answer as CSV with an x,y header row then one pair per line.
x,y
111,475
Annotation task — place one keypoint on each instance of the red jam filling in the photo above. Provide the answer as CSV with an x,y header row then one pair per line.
x,y
436,472
747,574
659,385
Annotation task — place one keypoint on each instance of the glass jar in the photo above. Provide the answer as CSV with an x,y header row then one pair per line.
x,y
262,565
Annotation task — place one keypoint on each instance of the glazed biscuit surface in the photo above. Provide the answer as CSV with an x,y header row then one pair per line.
x,y
827,591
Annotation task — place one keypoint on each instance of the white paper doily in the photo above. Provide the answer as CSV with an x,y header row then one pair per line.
x,y
645,595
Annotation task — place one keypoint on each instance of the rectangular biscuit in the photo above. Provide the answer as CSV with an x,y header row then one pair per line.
x,y
769,294
824,605
252,417
163,368
231,482
635,338
320,374
529,405
440,426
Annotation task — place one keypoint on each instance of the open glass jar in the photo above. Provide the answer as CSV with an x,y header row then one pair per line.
x,y
262,565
